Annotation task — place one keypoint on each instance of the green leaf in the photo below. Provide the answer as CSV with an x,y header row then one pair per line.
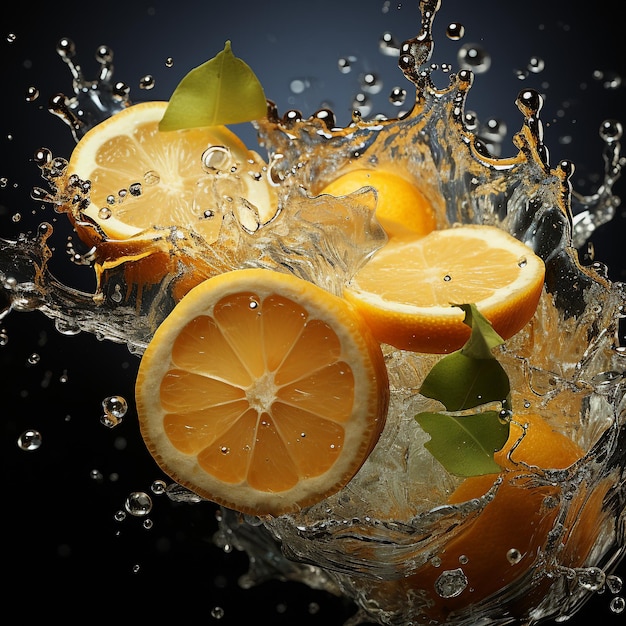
x,y
223,90
460,382
465,445
483,338
470,376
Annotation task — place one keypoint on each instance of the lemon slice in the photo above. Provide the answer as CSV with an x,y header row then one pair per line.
x,y
262,392
408,290
143,180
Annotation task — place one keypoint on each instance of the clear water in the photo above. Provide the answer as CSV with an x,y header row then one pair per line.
x,y
578,382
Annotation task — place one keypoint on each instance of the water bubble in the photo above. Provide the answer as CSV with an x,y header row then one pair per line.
x,y
451,583
371,83
345,64
29,440
151,177
614,583
536,65
146,82
16,217
617,605
216,158
474,57
514,556
96,475
138,504
32,93
158,487
115,406
33,359
455,31
397,96
104,213
119,516
11,37
169,62
299,85
389,45
217,612
148,524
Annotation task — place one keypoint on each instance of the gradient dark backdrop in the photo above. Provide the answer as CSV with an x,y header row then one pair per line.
x,y
61,548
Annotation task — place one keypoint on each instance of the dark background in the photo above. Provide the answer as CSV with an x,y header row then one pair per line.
x,y
61,546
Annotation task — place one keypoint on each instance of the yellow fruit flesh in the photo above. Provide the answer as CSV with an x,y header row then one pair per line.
x,y
272,369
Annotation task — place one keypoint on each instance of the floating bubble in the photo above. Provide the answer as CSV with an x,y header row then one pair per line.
x,y
138,504
29,440
455,31
473,57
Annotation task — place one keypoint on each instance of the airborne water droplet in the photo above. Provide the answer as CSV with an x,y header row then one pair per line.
x,y
29,440
138,504
455,31
473,57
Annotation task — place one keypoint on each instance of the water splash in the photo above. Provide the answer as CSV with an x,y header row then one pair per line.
x,y
446,149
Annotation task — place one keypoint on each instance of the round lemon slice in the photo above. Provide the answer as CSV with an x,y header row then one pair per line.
x,y
262,392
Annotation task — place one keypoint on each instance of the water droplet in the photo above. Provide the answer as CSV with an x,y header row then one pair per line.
x,y
397,97
536,65
451,583
104,213
345,64
11,37
474,57
148,524
225,450
371,83
33,359
169,62
217,612
514,556
151,177
389,45
447,278
29,440
614,583
32,93
138,504
146,82
115,406
455,31
216,158
158,487
299,85
617,605
119,516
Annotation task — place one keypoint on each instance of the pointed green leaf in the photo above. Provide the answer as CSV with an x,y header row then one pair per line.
x,y
470,376
223,90
460,382
465,445
483,337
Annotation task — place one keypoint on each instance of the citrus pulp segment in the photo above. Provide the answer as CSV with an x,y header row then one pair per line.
x,y
401,208
142,178
262,392
408,290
